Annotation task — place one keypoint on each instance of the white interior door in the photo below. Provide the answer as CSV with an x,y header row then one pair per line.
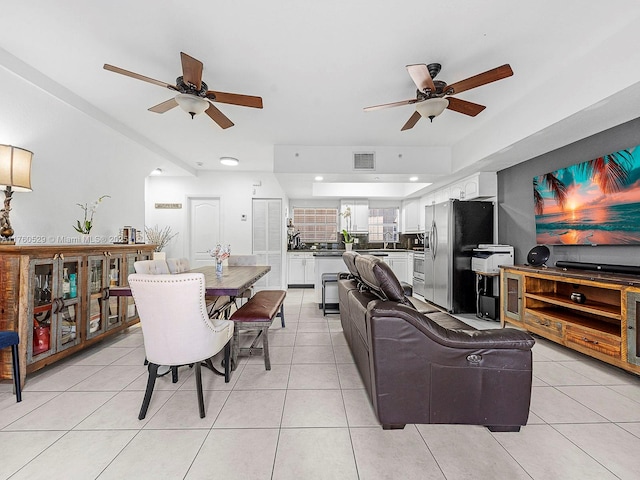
x,y
204,229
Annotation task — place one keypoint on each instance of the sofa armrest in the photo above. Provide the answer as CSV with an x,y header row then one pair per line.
x,y
504,338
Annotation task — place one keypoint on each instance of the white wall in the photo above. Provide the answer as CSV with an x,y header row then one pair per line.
x,y
235,190
76,160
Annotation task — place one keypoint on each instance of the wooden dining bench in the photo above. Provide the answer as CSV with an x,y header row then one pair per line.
x,y
257,315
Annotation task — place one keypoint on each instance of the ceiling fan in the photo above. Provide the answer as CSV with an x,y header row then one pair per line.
x,y
193,94
433,96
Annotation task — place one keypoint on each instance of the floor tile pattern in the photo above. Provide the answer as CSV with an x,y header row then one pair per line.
x,y
307,418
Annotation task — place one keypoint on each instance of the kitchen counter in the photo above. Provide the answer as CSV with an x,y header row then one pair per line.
x,y
338,253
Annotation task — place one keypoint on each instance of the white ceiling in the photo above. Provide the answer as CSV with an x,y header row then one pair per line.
x,y
317,65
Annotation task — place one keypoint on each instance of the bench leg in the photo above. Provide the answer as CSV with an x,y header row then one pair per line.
x,y
265,348
282,315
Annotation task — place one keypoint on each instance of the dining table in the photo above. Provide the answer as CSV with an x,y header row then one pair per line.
x,y
233,281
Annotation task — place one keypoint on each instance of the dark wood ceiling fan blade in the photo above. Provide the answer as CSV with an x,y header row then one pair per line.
x,y
137,76
413,119
164,106
235,99
421,77
388,105
191,70
464,106
218,117
481,79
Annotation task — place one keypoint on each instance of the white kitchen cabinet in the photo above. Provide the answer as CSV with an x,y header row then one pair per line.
x,y
398,263
359,216
479,185
411,217
409,277
301,269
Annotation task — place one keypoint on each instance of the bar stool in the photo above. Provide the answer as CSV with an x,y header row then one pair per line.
x,y
327,278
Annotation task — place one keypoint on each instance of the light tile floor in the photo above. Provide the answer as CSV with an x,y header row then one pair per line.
x,y
307,418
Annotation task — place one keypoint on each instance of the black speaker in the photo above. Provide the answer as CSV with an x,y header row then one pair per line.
x,y
630,269
488,307
538,255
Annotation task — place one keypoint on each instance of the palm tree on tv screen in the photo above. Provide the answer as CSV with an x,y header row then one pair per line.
x,y
610,172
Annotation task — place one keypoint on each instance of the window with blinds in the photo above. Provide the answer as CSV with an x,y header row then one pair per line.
x,y
383,224
316,224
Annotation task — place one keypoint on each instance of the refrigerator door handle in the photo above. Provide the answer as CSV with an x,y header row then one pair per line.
x,y
434,240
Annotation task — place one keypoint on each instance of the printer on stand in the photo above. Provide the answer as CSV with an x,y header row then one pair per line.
x,y
486,261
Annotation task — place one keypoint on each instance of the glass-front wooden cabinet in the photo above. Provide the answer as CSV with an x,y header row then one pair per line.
x,y
57,298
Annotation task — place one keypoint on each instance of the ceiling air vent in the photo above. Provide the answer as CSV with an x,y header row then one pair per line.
x,y
364,161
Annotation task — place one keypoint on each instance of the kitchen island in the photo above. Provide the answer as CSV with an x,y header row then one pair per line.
x,y
330,261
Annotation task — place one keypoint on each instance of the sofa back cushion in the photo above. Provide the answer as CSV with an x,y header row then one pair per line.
x,y
349,258
379,277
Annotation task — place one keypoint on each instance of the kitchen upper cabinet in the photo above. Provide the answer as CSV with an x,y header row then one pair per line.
x,y
359,222
479,185
412,218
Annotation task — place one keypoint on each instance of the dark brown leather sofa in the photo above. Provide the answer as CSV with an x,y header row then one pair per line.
x,y
429,367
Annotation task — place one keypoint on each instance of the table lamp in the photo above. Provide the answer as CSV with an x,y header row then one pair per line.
x,y
15,176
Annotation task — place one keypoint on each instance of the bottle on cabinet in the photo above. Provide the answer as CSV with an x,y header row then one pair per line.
x,y
66,284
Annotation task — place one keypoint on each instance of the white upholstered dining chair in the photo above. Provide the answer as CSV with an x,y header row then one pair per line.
x,y
177,329
151,267
178,265
243,260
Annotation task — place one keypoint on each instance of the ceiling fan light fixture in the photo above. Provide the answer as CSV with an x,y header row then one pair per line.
x,y
432,107
191,104
229,161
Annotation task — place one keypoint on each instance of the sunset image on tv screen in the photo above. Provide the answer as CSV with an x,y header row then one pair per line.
x,y
596,202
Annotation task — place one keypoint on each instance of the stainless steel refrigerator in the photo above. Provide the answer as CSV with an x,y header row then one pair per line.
x,y
454,229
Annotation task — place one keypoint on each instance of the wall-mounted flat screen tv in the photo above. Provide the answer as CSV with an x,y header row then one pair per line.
x,y
596,202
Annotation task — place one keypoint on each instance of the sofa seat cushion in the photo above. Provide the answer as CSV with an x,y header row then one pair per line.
x,y
447,321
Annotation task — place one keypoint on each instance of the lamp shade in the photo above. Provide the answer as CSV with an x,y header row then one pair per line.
x,y
15,168
191,104
432,107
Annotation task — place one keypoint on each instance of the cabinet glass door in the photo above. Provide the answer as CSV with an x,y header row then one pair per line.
x,y
97,284
41,311
633,323
512,296
114,272
68,309
130,306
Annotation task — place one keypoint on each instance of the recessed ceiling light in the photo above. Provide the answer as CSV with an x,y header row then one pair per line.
x,y
230,161
413,179
157,171
319,178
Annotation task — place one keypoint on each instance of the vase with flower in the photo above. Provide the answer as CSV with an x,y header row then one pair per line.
x,y
220,253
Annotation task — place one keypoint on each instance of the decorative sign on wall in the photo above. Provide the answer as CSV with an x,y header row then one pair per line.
x,y
169,206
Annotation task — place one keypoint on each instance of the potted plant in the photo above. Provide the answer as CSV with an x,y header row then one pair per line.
x,y
348,240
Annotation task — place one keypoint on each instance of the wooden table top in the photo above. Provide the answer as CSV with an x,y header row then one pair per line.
x,y
233,282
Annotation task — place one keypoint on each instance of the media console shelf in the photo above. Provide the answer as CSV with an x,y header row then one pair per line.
x,y
604,326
